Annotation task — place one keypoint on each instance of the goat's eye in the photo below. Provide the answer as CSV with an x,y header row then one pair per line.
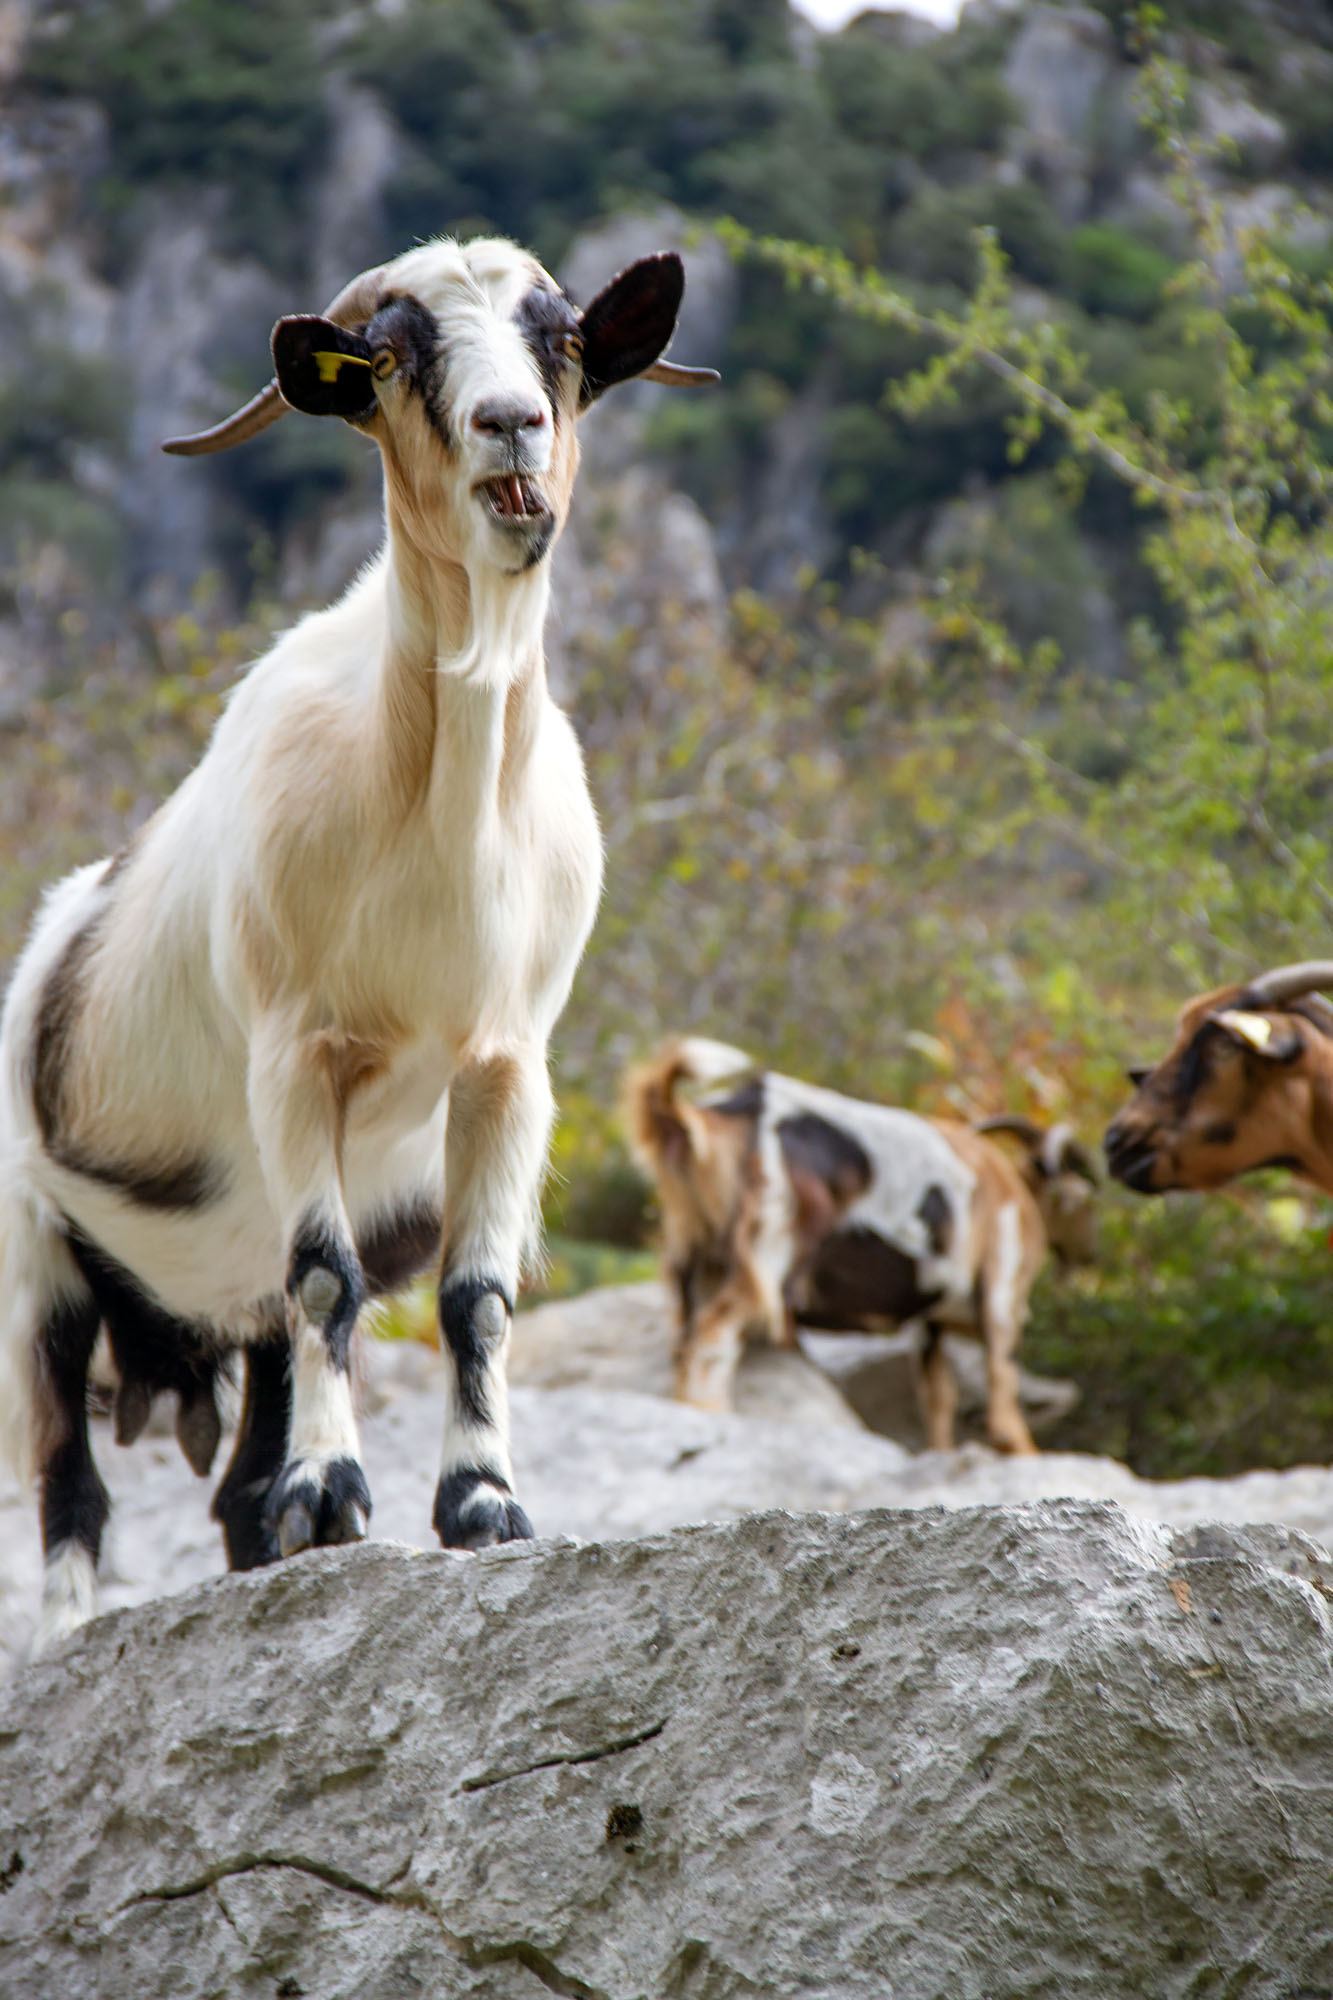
x,y
573,345
384,364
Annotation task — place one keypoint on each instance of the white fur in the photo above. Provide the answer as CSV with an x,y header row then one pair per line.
x,y
442,926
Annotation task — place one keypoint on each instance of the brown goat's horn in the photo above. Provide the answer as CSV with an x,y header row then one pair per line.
x,y
356,301
680,378
1290,982
1022,1128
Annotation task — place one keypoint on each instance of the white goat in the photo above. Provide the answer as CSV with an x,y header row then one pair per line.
x,y
293,1038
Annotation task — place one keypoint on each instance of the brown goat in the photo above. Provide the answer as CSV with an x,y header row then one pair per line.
x,y
1248,1082
785,1205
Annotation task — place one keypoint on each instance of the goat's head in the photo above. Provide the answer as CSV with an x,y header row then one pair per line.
x,y
468,365
1234,1089
1063,1178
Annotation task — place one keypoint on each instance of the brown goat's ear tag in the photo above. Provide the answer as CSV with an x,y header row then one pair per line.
x,y
322,369
1257,1032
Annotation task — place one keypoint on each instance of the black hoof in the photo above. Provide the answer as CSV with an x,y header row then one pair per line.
x,y
475,1510
314,1505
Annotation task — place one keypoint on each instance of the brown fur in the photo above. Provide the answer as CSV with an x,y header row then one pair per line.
x,y
1214,1106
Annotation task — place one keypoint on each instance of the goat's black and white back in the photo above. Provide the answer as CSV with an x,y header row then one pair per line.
x,y
290,1046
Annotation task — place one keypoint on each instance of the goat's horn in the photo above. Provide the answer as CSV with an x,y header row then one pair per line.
x,y
678,377
247,422
1022,1128
356,301
1290,982
1061,1153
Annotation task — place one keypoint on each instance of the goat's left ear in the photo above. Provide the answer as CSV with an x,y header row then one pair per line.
x,y
1258,1033
323,369
630,322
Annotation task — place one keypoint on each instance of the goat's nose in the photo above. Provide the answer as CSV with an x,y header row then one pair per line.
x,y
506,417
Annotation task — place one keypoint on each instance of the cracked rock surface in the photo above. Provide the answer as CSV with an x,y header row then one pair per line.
x,y
939,1756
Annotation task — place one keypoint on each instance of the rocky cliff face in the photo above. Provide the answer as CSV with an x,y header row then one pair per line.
x,y
1040,1751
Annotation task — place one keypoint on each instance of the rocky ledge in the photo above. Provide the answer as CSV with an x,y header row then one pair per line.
x,y
1042,1750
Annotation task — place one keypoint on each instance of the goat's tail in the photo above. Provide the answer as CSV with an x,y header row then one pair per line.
x,y
658,1124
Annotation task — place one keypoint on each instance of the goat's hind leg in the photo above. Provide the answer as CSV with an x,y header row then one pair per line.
x,y
240,1504
74,1504
499,1119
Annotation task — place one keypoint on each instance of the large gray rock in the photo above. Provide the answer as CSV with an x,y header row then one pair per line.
x,y
939,1757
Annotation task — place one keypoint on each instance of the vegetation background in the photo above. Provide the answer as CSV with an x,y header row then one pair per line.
x,y
954,680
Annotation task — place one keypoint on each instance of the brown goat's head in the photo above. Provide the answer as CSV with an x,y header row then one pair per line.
x,y
468,364
1064,1180
1234,1089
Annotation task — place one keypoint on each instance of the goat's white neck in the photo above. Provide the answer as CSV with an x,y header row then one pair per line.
x,y
463,676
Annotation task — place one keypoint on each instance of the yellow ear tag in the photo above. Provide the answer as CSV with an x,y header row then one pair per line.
x,y
1256,1029
328,364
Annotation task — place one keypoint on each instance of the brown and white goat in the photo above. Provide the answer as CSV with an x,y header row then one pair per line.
x,y
784,1204
290,1046
1247,1082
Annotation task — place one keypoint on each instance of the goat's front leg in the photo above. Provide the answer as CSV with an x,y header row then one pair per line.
x,y
320,1496
499,1123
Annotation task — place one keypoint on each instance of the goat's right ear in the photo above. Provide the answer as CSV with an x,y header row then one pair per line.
x,y
630,322
1257,1032
323,369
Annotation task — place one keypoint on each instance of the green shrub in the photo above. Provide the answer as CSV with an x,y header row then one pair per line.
x,y
1109,270
1202,1344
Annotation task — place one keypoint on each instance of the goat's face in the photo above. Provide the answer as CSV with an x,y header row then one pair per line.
x,y
468,365
1232,1092
475,360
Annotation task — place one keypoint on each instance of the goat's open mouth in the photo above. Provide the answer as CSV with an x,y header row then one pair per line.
x,y
513,499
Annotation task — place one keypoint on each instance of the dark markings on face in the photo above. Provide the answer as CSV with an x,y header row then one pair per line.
x,y
185,1182
415,337
1220,1133
815,1146
546,320
858,1277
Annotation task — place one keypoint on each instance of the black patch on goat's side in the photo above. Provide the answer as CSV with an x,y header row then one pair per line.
x,y
546,320
459,1299
395,1249
463,1519
746,1101
857,1277
260,1452
812,1145
317,1247
936,1212
179,1184
57,1013
74,1500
